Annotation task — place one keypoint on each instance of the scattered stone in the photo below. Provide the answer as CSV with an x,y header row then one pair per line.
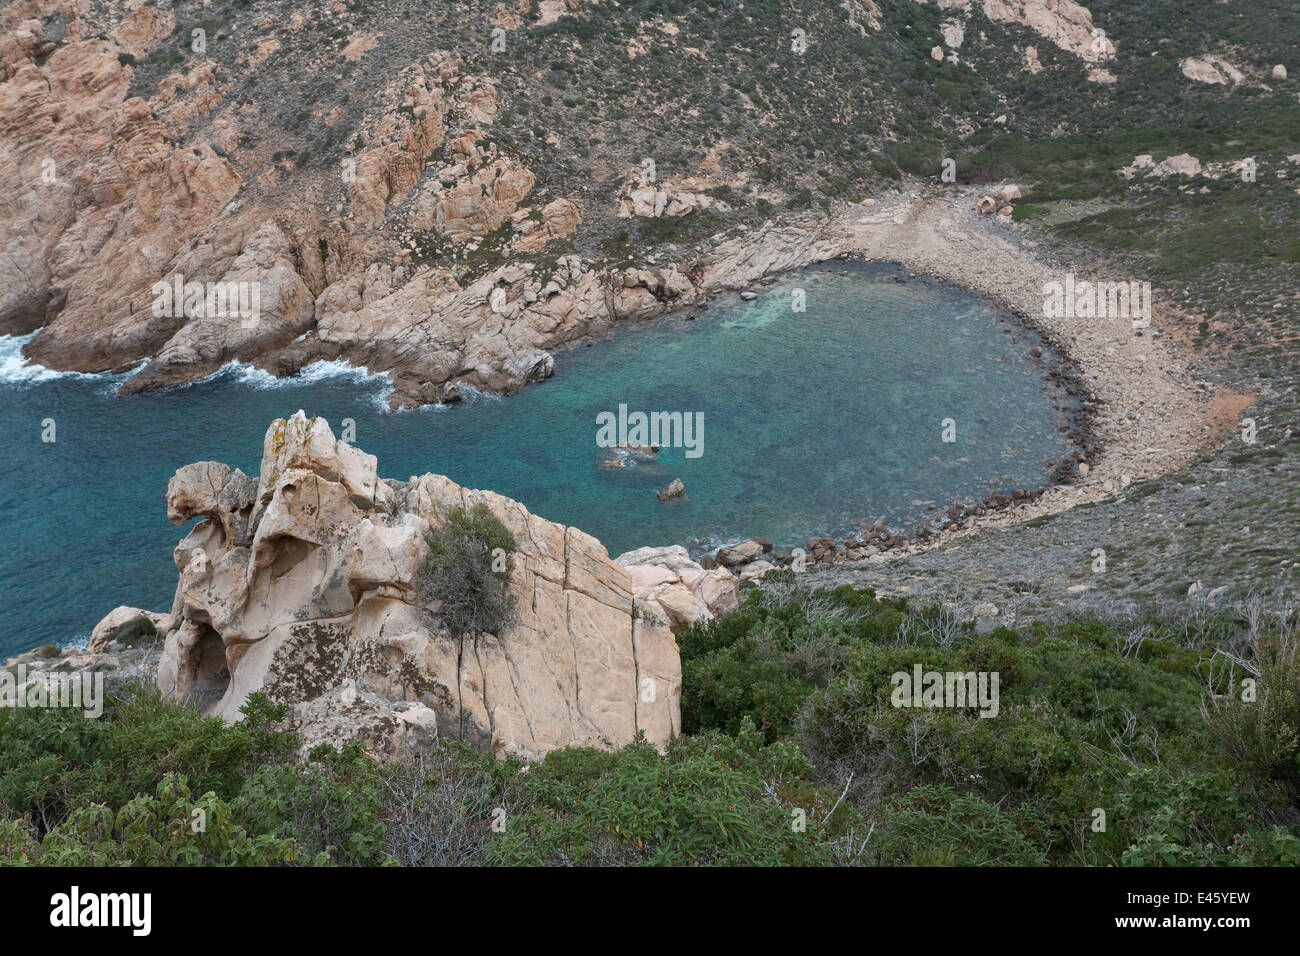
x,y
1218,594
741,553
755,569
1210,69
1279,72
819,549
1184,164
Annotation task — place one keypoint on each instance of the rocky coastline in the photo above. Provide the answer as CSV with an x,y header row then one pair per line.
x,y
428,250
1141,414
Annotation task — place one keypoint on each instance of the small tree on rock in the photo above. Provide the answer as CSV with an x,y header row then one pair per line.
x,y
468,571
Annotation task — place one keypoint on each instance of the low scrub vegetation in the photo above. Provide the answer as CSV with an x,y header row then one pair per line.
x,y
1114,743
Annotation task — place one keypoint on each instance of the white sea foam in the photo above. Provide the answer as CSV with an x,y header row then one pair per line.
x,y
339,368
472,394
17,370
243,373
469,396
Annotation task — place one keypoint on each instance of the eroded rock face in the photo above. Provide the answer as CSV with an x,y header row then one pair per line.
x,y
303,583
108,202
667,585
1210,69
282,309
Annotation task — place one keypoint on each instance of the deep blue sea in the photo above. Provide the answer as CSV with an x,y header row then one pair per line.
x,y
811,420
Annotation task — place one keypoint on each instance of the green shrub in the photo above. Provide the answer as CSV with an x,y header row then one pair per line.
x,y
763,661
1260,733
329,806
56,759
707,801
135,632
468,571
1197,820
170,828
940,826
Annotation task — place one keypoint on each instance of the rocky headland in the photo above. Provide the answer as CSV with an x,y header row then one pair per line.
x,y
302,582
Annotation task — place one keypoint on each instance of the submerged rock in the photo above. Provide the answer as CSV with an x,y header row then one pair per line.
x,y
674,489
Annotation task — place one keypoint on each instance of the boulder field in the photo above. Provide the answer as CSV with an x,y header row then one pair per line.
x,y
303,582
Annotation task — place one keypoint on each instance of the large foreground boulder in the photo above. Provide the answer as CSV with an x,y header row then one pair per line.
x,y
303,583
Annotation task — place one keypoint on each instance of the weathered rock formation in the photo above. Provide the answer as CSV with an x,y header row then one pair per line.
x,y
1210,69
302,582
121,619
669,586
1066,24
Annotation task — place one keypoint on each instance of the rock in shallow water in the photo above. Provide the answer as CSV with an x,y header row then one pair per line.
x,y
674,489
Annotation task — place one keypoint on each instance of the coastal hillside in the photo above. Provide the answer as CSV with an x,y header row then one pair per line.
x,y
450,194
805,741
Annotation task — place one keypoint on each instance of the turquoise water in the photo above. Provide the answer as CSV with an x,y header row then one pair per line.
x,y
811,420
